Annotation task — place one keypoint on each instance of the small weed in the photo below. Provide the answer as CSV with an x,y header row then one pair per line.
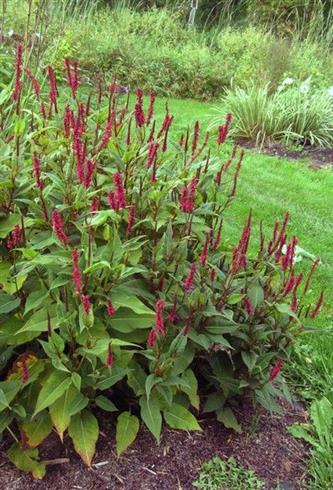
x,y
218,474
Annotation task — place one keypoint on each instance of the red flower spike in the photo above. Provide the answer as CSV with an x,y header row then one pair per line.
x,y
310,275
16,238
118,182
248,307
204,254
53,91
95,205
34,83
58,226
188,283
224,130
159,321
152,338
16,95
110,308
131,219
37,171
152,154
90,167
187,196
150,113
212,274
138,109
109,359
76,273
85,303
315,311
195,136
275,370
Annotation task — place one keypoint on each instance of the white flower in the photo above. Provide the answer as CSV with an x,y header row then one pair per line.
x,y
288,81
330,91
304,88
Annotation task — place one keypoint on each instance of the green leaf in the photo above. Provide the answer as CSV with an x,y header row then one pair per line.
x,y
105,404
8,303
34,300
10,284
122,299
235,298
321,413
228,419
151,415
69,404
178,417
302,431
55,385
38,322
8,224
35,431
192,387
256,295
214,402
151,381
249,359
126,320
126,431
110,377
84,431
26,460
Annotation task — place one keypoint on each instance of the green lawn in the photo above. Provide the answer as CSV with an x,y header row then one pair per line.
x,y
271,186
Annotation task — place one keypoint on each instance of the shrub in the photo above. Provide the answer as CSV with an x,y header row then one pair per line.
x,y
293,115
117,290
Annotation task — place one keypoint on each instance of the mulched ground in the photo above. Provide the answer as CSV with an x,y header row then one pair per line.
x,y
265,446
318,157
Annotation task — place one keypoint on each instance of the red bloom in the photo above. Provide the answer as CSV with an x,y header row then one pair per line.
x,y
224,130
120,190
187,196
109,359
76,273
58,227
34,83
240,251
16,238
37,171
138,110
204,253
152,338
131,219
315,311
68,117
53,92
108,130
95,204
247,305
150,113
173,317
236,174
18,73
212,274
85,303
217,240
25,372
195,136
188,283
71,68
159,321
152,154
275,370
90,167
312,271
110,308
113,201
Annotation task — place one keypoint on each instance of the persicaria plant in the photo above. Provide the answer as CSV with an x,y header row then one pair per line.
x,y
117,290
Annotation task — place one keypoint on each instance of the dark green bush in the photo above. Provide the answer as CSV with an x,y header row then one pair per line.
x,y
117,289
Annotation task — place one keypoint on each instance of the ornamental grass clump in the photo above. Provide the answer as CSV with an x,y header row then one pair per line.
x,y
117,288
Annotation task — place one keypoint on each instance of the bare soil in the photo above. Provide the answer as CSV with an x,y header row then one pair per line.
x,y
264,446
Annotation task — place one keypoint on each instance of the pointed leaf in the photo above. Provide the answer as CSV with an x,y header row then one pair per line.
x,y
178,417
84,431
35,431
126,432
69,404
55,385
228,419
151,415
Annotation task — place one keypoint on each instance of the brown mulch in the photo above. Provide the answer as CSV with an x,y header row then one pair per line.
x,y
318,157
264,446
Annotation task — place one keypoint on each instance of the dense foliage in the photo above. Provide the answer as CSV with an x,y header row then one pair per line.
x,y
117,289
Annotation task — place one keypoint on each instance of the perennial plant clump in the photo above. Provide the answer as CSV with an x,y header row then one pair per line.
x,y
117,290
